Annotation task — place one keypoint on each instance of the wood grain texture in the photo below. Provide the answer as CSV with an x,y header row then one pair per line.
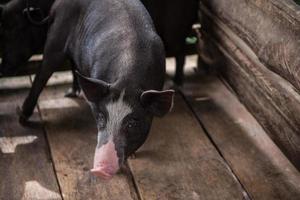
x,y
258,163
270,27
26,169
34,63
179,162
271,99
72,135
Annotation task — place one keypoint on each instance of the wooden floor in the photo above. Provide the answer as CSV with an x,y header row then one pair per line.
x,y
209,147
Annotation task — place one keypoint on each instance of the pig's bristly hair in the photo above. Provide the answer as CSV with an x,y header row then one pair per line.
x,y
117,111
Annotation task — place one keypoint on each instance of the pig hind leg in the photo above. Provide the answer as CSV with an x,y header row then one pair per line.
x,y
74,91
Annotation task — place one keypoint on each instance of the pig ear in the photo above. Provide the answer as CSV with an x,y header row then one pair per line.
x,y
31,10
93,89
158,103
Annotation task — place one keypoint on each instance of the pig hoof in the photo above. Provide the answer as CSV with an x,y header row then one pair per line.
x,y
22,117
71,93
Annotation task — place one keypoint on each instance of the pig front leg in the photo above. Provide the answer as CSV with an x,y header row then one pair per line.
x,y
51,60
54,56
74,91
39,83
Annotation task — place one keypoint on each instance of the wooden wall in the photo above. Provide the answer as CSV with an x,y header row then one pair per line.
x,y
255,45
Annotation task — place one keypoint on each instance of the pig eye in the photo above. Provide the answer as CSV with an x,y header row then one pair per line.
x,y
101,117
101,120
132,124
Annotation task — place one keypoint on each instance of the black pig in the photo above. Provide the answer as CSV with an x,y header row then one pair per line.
x,y
20,38
121,66
173,20
24,26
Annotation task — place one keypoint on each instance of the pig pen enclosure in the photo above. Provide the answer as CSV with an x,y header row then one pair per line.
x,y
234,135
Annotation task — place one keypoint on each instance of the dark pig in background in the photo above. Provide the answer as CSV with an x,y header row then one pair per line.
x,y
173,20
121,68
24,26
20,37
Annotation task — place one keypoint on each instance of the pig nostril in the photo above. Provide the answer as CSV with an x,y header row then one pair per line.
x,y
101,165
106,168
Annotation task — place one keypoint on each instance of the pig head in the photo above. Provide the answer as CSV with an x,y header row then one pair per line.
x,y
123,116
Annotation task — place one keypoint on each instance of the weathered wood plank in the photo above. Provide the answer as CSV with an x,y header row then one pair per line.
x,y
270,98
270,27
34,63
72,137
26,169
258,163
179,162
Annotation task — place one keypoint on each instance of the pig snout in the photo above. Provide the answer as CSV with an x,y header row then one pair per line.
x,y
106,161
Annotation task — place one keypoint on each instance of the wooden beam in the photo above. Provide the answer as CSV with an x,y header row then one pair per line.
x,y
31,67
271,28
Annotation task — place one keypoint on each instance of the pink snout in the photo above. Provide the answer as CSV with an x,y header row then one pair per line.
x,y
106,161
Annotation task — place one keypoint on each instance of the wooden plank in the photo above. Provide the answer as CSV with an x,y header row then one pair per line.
x,y
34,63
270,98
258,163
179,162
72,135
26,169
270,27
